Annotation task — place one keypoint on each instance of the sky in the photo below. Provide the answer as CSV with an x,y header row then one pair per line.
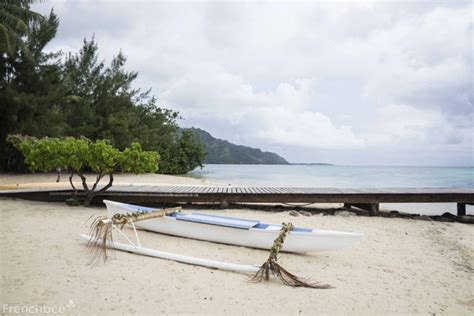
x,y
351,83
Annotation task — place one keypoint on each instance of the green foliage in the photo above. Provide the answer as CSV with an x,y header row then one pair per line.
x,y
43,155
16,22
78,95
135,160
187,153
80,154
102,157
77,152
30,91
192,150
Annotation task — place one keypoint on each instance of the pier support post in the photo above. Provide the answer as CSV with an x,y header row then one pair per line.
x,y
461,209
372,208
224,204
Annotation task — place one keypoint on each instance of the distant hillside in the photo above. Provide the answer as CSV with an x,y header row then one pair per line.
x,y
222,152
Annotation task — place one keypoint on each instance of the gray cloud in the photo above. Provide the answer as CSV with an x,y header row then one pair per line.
x,y
341,82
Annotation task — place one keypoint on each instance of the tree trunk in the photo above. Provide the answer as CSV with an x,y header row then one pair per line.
x,y
111,180
90,194
58,171
84,182
72,184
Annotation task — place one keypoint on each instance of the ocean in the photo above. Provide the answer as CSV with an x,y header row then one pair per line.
x,y
347,177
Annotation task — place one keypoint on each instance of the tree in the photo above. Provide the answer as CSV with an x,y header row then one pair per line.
x,y
184,154
80,154
30,87
78,95
102,104
16,22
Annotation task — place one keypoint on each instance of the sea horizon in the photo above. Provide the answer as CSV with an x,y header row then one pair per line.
x,y
334,176
336,165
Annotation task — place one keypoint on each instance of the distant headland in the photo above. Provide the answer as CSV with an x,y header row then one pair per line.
x,y
220,151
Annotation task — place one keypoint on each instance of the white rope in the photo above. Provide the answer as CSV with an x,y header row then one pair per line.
x,y
135,231
125,236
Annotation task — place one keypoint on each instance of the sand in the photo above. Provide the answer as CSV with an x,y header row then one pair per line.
x,y
401,266
38,180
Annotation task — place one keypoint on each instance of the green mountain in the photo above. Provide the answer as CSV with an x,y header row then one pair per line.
x,y
222,152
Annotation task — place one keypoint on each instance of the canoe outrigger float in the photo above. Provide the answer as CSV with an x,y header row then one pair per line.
x,y
221,229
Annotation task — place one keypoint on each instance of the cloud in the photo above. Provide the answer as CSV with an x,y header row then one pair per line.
x,y
311,80
425,64
281,116
405,126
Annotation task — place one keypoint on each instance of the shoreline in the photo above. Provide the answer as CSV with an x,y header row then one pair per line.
x,y
48,180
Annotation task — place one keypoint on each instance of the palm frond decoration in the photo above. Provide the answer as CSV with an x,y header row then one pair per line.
x,y
102,227
101,235
272,267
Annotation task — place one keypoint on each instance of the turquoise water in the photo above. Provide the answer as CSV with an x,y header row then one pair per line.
x,y
348,177
338,176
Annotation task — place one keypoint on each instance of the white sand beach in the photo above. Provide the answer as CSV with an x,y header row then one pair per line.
x,y
401,266
48,180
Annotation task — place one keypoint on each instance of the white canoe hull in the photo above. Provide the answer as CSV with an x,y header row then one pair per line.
x,y
300,242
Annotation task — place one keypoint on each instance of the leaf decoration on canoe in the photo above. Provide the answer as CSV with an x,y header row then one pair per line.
x,y
101,238
272,267
101,230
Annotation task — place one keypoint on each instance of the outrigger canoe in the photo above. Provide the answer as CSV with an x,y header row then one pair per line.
x,y
236,231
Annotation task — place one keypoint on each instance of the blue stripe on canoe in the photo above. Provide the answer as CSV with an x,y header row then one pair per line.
x,y
301,229
217,220
242,221
228,217
293,229
133,207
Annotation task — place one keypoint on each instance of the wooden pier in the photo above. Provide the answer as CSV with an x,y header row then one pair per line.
x,y
368,199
